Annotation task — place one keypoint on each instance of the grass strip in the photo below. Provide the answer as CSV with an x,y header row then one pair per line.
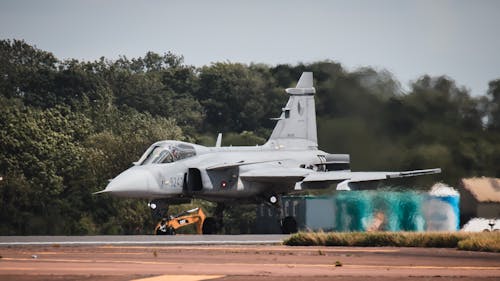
x,y
481,241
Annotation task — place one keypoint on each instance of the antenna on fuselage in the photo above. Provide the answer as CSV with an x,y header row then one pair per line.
x,y
219,140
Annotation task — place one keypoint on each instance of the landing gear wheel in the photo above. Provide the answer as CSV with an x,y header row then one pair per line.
x,y
161,231
165,231
209,226
170,231
289,225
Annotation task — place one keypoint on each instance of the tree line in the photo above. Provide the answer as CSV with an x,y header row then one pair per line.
x,y
67,126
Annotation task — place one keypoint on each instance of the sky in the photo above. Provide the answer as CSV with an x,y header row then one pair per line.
x,y
459,39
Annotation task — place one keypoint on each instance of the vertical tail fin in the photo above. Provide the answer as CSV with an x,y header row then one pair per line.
x,y
218,142
296,127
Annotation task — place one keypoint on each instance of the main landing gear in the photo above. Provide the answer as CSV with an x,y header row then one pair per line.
x,y
288,223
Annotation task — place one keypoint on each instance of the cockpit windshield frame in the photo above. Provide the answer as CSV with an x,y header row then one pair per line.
x,y
167,153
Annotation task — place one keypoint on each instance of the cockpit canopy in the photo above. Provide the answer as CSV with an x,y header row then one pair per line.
x,y
166,152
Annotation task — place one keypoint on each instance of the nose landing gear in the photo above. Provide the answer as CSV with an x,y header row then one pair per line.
x,y
159,208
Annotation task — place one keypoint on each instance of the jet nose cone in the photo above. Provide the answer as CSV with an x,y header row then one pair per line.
x,y
132,183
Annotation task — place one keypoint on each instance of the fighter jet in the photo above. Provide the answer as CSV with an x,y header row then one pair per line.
x,y
173,172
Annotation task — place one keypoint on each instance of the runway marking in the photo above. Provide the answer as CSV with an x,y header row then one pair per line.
x,y
180,278
80,253
424,267
18,268
243,249
261,264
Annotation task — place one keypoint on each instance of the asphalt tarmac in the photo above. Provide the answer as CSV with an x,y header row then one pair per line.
x,y
142,240
240,257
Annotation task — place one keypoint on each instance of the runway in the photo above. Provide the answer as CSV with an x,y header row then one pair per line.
x,y
142,240
211,259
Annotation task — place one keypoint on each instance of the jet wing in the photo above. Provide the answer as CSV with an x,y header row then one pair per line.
x,y
366,176
308,176
223,166
346,178
275,174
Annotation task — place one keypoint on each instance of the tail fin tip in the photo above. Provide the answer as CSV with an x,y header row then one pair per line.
x,y
218,142
305,81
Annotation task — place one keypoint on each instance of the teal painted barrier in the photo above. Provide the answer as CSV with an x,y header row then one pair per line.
x,y
353,211
395,211
374,210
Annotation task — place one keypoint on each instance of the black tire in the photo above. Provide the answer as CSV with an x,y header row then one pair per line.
x,y
289,225
170,231
209,226
159,232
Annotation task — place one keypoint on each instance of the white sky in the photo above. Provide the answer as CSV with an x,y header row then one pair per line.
x,y
460,39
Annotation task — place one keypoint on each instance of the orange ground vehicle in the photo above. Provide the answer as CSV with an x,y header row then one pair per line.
x,y
168,226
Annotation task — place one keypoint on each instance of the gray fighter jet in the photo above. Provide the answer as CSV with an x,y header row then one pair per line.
x,y
173,172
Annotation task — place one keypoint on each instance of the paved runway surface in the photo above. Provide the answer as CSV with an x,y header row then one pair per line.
x,y
142,240
116,262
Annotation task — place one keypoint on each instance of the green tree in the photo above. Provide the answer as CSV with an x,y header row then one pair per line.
x,y
25,70
493,95
40,150
241,87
